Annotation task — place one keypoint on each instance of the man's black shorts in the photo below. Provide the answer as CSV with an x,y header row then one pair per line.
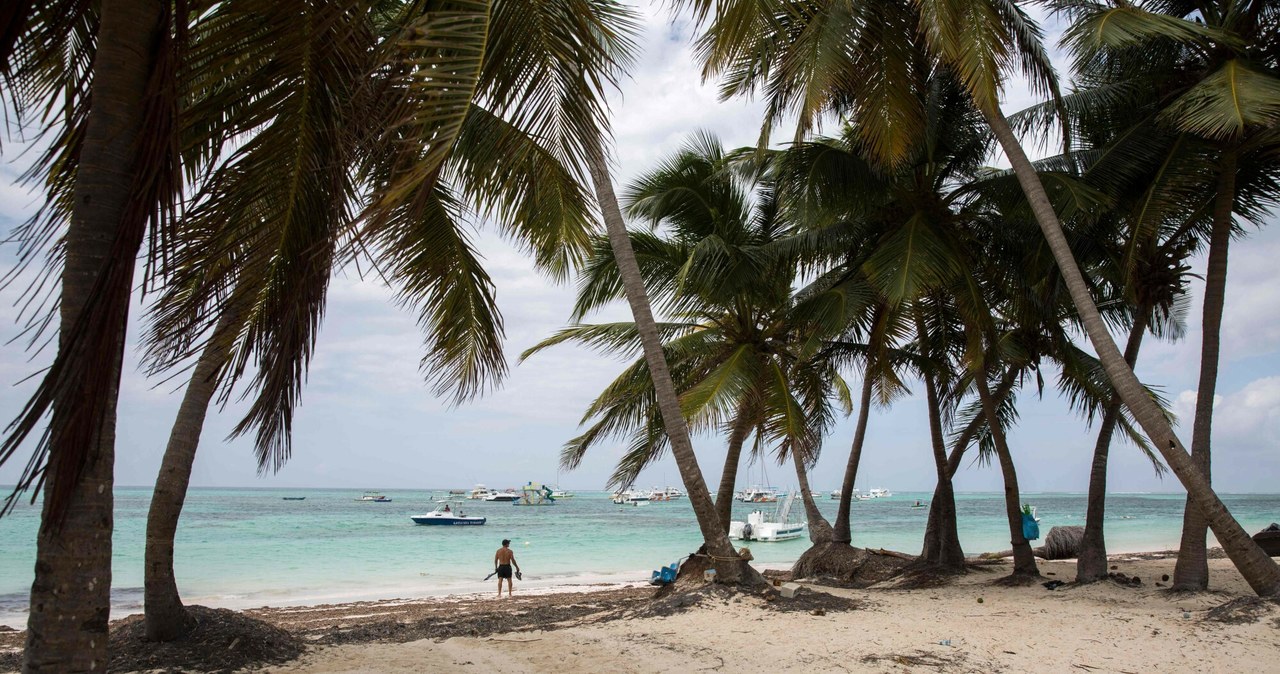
x,y
504,571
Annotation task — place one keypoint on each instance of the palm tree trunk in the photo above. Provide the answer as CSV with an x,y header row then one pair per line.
x,y
1259,570
1024,560
723,556
843,531
942,517
1192,569
728,478
70,598
941,537
1091,564
819,528
166,617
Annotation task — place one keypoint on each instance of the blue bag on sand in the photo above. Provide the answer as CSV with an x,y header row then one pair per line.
x,y
1030,528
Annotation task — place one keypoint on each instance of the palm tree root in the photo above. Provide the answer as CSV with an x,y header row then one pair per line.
x,y
842,564
693,571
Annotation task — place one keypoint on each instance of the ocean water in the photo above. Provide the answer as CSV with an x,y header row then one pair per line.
x,y
242,548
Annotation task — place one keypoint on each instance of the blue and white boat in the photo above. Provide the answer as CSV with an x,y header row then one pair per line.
x,y
445,514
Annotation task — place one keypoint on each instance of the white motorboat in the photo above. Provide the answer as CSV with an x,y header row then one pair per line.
x,y
758,495
631,497
672,493
447,514
835,494
879,493
558,493
373,497
768,528
506,496
478,493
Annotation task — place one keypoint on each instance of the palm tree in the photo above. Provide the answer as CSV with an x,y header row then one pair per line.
x,y
818,58
493,167
107,180
1207,70
733,351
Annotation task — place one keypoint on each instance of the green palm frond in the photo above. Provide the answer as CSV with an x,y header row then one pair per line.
x,y
538,200
1227,101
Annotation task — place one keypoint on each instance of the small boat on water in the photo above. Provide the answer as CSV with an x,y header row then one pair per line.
x,y
879,493
631,498
758,495
479,492
836,494
768,528
919,504
557,492
446,514
294,498
503,496
373,497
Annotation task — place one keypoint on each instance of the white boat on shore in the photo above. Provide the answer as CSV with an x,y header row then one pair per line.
x,y
768,528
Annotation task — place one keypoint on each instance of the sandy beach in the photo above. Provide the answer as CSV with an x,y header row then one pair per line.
x,y
972,624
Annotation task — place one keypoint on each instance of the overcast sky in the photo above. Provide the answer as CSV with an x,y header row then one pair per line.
x,y
368,422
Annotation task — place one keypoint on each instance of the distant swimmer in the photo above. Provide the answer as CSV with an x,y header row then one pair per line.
x,y
503,559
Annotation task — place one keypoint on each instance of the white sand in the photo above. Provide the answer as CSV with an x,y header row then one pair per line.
x,y
1097,628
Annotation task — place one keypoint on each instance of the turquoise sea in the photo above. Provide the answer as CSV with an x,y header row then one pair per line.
x,y
241,548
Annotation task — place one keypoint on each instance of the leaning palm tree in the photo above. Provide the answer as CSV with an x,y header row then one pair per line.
x,y
1208,72
253,242
730,350
814,59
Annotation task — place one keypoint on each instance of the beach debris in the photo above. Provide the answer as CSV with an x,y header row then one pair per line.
x,y
221,641
979,600
789,590
1244,610
818,612
1165,577
1053,584
944,642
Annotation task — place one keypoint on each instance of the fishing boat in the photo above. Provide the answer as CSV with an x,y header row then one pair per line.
x,y
479,492
373,497
768,528
294,498
558,493
672,493
503,496
879,493
446,514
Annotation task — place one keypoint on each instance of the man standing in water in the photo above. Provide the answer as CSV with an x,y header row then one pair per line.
x,y
503,559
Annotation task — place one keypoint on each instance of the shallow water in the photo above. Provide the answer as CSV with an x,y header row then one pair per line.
x,y
249,547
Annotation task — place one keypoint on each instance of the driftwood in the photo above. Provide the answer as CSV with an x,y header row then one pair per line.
x,y
1061,543
894,553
